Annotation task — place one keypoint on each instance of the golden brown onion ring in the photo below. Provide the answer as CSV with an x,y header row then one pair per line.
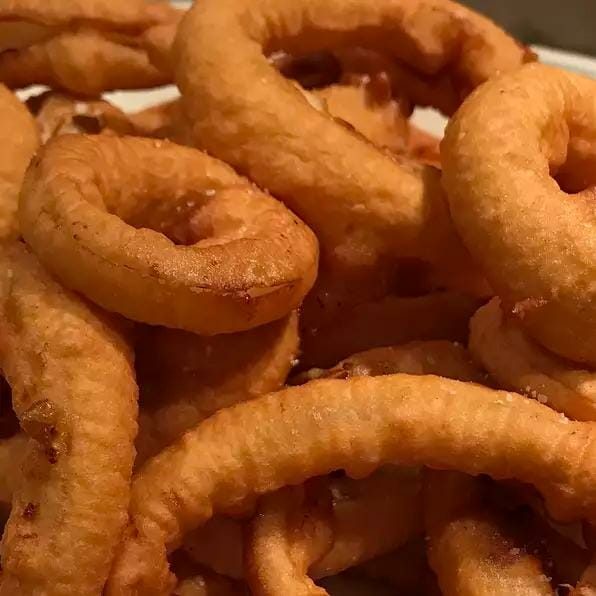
x,y
342,523
83,61
519,363
470,548
536,243
57,114
100,212
74,392
364,206
287,437
184,378
19,141
389,321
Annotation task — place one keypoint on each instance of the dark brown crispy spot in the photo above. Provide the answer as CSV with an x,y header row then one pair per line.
x,y
40,422
29,511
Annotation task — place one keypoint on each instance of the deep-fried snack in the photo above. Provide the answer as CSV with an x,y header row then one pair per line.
x,y
469,546
541,257
423,146
208,585
517,362
73,389
185,377
12,453
164,234
20,140
441,358
365,207
83,61
325,529
57,114
163,121
387,322
355,425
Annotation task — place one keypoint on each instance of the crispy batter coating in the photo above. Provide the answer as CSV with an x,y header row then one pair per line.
x,y
165,234
470,547
517,362
20,140
356,425
73,389
535,242
184,378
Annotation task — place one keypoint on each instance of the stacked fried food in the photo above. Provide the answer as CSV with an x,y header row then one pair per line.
x,y
269,337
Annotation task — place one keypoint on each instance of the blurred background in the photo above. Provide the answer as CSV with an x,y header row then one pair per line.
x,y
569,25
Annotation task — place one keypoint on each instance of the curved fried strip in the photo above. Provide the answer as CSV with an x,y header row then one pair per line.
x,y
519,363
363,205
184,378
19,141
74,392
83,61
57,114
208,585
386,322
287,437
130,14
165,234
12,454
441,358
163,121
541,259
469,547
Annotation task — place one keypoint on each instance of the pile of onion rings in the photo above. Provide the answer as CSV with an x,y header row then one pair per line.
x,y
269,337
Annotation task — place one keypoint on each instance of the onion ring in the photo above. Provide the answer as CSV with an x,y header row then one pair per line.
x,y
390,321
20,140
363,216
84,61
357,520
57,114
81,188
184,378
543,273
74,392
355,425
469,547
519,363
163,121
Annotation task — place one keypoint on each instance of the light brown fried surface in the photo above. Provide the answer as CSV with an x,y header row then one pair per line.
x,y
470,548
20,140
541,257
365,207
73,389
165,234
517,362
354,425
185,378
322,530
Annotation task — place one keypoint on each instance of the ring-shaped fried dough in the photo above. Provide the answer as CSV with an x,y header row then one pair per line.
x,y
535,243
356,425
517,362
73,389
83,61
364,206
244,260
20,140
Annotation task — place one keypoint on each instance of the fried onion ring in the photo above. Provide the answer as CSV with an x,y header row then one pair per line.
x,y
364,206
519,363
355,425
469,546
349,521
87,207
184,378
20,140
74,392
535,242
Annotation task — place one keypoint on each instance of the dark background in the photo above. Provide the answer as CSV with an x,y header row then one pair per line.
x,y
566,24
